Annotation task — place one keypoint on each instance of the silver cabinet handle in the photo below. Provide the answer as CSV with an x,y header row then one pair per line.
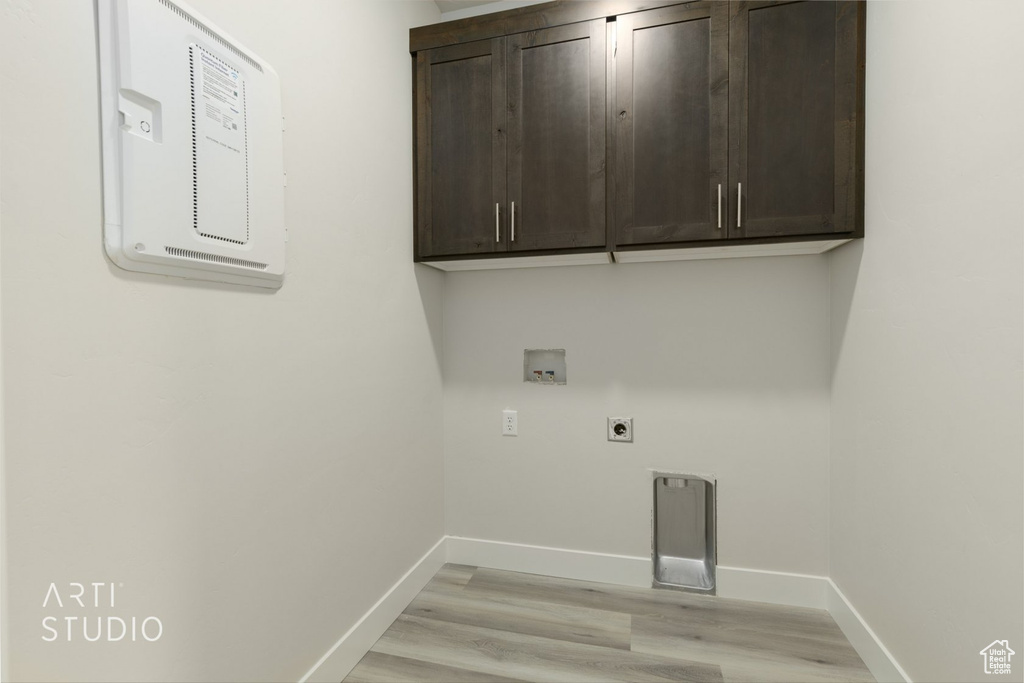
x,y
739,205
497,223
512,220
719,206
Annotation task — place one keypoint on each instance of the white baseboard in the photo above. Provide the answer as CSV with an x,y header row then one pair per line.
x,y
880,662
624,570
777,588
780,588
357,641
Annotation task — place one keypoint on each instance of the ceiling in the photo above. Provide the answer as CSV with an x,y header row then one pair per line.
x,y
453,5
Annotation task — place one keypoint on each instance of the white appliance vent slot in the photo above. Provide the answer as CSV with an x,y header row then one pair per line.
x,y
215,258
206,54
202,27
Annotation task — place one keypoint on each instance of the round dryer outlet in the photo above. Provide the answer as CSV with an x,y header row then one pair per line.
x,y
620,429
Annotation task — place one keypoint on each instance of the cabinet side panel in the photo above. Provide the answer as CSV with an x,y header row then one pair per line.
x,y
849,117
421,155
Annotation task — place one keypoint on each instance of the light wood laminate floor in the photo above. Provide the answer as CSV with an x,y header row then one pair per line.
x,y
472,624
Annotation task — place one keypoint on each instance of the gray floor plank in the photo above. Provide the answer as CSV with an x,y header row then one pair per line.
x,y
530,657
472,624
745,653
529,617
377,667
759,673
451,578
662,603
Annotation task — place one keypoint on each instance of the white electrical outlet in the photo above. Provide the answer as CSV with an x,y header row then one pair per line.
x,y
509,423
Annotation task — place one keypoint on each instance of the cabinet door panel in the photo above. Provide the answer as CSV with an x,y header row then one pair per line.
x,y
671,105
461,148
556,105
793,85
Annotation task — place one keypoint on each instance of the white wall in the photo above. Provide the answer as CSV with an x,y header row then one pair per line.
x,y
234,458
926,530
256,469
4,676
722,364
488,8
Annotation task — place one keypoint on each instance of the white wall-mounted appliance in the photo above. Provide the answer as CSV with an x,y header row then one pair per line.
x,y
193,175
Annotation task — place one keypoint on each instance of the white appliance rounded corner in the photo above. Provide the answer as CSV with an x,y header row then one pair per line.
x,y
193,165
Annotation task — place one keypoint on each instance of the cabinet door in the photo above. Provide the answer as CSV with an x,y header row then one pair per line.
x,y
460,149
795,106
556,110
672,126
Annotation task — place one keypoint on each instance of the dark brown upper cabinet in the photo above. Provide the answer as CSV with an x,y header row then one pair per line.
x,y
556,117
796,114
510,143
672,124
649,128
460,149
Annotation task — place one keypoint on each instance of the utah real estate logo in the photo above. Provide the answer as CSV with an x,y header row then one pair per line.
x,y
997,657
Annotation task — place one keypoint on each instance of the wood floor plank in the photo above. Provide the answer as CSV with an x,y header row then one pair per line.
x,y
471,624
377,667
530,617
530,658
707,610
759,673
750,653
451,578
